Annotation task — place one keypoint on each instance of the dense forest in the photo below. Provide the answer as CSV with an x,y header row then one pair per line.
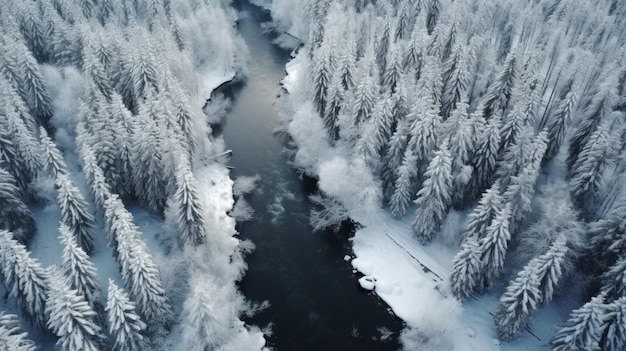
x,y
101,107
509,113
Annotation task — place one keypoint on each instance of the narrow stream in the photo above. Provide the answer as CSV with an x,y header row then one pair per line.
x,y
316,302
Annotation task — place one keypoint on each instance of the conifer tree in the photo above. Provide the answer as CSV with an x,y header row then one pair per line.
x,y
364,99
140,273
334,103
147,162
497,99
384,123
393,71
600,107
33,88
75,212
32,28
518,303
466,269
322,74
404,190
393,159
52,158
433,199
484,159
413,52
614,279
19,148
490,203
71,318
424,131
559,123
24,278
583,330
125,325
80,273
493,247
519,195
14,214
12,337
614,337
550,267
586,173
189,209
455,82
100,190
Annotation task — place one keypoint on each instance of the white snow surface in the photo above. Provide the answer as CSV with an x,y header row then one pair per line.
x,y
411,278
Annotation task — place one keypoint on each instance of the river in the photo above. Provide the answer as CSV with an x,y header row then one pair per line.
x,y
315,300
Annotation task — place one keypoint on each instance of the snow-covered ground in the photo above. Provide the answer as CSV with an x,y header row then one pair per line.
x,y
410,277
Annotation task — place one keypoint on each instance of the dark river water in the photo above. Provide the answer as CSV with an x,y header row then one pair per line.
x,y
315,300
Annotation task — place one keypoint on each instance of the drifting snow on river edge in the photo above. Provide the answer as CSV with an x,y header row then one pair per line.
x,y
411,278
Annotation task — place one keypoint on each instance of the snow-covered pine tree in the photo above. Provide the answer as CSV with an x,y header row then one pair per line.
x,y
125,325
75,212
559,124
600,107
322,74
24,277
519,195
515,123
434,11
493,247
333,105
32,28
189,209
384,122
483,214
586,173
404,187
12,337
394,70
147,162
518,303
458,128
466,269
382,40
364,99
100,190
583,331
484,159
433,199
614,337
19,148
424,131
33,88
140,273
515,157
142,279
614,279
496,102
550,267
413,52
71,318
52,157
393,158
456,80
80,273
14,214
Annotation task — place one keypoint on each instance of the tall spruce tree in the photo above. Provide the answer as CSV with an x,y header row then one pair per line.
x,y
125,325
433,199
24,277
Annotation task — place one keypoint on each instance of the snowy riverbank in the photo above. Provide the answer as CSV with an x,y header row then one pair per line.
x,y
409,277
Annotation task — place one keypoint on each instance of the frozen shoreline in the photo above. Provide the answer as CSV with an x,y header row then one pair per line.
x,y
409,277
